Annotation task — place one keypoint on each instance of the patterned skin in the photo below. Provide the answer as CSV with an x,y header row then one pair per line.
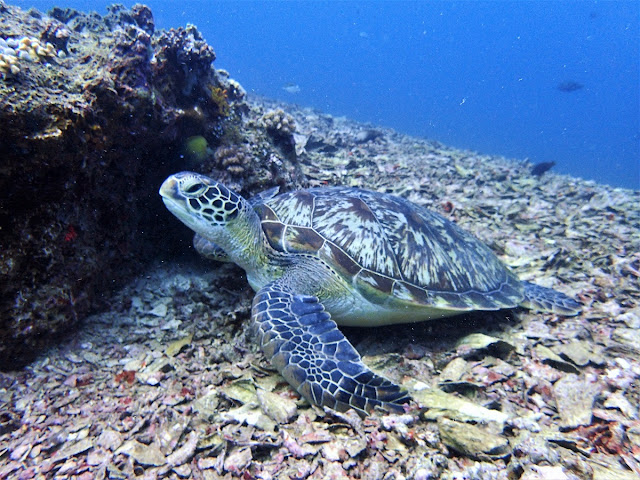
x,y
320,256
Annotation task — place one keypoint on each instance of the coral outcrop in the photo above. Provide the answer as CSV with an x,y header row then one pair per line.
x,y
95,111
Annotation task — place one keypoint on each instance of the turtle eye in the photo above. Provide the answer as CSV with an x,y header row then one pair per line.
x,y
196,188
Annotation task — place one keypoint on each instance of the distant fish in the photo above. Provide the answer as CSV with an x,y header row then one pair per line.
x,y
569,86
291,88
539,168
367,135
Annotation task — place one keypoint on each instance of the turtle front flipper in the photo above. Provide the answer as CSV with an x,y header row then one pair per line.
x,y
209,249
305,345
549,300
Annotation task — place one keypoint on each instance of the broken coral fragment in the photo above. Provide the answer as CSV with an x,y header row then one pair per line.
x,y
440,404
574,397
471,440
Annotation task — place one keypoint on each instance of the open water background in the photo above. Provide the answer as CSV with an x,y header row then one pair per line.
x,y
480,75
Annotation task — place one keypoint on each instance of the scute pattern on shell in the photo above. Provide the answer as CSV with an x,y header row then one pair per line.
x,y
392,245
347,221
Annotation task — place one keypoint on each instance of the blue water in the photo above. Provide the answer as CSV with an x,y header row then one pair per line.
x,y
476,75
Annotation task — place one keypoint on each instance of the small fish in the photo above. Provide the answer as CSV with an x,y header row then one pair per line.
x,y
367,135
569,86
291,88
196,149
539,168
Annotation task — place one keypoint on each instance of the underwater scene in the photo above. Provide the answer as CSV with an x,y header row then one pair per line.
x,y
320,240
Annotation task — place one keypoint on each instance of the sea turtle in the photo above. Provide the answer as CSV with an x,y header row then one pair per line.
x,y
331,255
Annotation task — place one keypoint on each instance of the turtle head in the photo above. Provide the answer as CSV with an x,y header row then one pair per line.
x,y
202,204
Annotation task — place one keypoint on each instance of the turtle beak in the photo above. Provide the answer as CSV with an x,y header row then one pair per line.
x,y
169,188
173,200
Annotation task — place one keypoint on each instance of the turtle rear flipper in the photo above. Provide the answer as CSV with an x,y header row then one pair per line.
x,y
299,338
548,300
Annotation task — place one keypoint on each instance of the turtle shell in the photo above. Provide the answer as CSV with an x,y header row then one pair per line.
x,y
387,246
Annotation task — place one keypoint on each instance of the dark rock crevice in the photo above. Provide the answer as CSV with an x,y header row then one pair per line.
x,y
89,133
